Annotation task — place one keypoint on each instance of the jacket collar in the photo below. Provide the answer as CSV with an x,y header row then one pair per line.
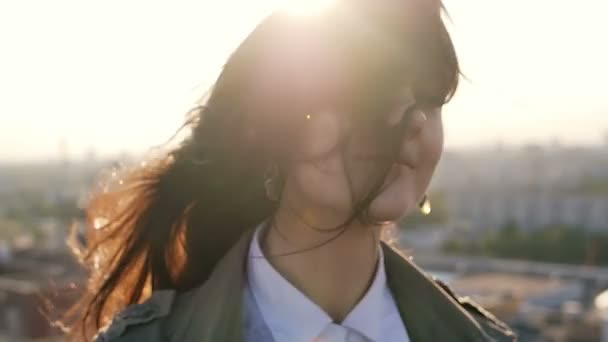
x,y
429,313
214,311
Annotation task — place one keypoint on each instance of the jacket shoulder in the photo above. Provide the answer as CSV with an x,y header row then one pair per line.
x,y
491,325
139,321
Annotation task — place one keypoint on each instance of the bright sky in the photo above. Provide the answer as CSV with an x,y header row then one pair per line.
x,y
118,75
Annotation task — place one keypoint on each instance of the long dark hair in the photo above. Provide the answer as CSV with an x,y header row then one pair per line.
x,y
169,221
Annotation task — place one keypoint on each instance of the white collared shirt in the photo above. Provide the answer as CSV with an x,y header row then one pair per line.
x,y
291,316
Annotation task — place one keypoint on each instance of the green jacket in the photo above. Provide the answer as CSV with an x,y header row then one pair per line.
x,y
213,312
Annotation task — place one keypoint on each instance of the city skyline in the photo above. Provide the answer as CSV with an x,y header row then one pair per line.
x,y
89,74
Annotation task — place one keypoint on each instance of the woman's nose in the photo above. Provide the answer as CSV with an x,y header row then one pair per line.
x,y
415,124
396,116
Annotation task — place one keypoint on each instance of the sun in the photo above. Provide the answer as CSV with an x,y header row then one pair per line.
x,y
303,7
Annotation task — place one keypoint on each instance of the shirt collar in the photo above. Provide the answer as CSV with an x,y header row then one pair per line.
x,y
368,316
291,316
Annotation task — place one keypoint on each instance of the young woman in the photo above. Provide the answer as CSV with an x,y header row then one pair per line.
x,y
265,223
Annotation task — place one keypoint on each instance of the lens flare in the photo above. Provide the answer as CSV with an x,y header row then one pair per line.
x,y
303,7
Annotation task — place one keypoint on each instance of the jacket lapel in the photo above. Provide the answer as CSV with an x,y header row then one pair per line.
x,y
213,311
428,312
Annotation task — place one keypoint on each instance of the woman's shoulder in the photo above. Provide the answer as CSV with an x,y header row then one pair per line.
x,y
489,323
424,301
146,321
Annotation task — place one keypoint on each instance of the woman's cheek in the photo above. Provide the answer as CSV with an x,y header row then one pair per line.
x,y
322,133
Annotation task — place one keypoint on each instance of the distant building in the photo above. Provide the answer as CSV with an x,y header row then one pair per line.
x,y
26,285
493,209
538,308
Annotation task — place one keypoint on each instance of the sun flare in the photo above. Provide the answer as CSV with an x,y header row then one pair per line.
x,y
303,7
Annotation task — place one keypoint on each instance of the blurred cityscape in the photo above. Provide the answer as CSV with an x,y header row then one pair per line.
x,y
523,231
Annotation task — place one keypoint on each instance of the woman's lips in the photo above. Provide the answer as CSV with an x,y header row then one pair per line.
x,y
406,162
372,157
379,158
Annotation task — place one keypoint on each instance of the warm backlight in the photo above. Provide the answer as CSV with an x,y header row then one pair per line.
x,y
303,7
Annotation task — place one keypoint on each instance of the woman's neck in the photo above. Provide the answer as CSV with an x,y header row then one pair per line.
x,y
334,275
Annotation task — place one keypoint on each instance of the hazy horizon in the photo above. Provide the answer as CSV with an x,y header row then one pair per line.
x,y
88,74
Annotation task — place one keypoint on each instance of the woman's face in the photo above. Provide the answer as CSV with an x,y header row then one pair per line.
x,y
323,189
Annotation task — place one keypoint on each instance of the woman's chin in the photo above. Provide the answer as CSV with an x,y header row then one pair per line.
x,y
394,203
387,211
